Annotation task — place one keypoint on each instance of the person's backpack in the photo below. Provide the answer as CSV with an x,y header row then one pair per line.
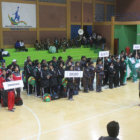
x,y
18,101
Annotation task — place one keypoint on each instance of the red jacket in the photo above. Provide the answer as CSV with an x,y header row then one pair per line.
x,y
16,76
1,81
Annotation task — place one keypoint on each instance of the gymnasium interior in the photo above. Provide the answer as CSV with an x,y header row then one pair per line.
x,y
40,23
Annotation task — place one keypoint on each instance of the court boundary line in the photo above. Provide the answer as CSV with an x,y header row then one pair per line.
x,y
37,119
80,121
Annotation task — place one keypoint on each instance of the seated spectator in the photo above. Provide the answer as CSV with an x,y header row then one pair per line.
x,y
17,45
42,44
113,131
22,46
37,45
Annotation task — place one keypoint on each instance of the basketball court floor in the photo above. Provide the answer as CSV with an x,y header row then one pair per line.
x,y
85,118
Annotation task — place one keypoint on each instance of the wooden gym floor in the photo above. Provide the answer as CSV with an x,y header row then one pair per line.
x,y
85,118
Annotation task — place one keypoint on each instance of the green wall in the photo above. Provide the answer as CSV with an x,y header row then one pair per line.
x,y
127,35
138,34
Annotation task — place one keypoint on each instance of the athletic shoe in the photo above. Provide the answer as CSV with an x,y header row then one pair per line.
x,y
11,110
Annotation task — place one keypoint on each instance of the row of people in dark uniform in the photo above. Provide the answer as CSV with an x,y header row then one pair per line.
x,y
49,76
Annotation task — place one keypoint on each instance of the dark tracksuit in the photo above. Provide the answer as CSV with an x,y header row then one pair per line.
x,y
99,77
44,81
53,83
106,66
82,65
56,43
111,76
37,74
91,78
29,72
3,93
70,87
55,65
122,73
17,76
60,76
86,76
117,74
77,80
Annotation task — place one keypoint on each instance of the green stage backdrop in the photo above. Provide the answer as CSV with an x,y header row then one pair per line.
x,y
127,35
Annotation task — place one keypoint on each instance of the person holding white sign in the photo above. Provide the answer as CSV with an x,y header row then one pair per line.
x,y
11,93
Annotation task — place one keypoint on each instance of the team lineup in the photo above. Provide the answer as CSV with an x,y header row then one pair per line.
x,y
48,79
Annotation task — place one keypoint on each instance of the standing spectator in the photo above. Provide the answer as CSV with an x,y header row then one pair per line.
x,y
17,76
122,71
99,76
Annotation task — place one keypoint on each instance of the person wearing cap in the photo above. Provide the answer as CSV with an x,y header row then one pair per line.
x,y
14,63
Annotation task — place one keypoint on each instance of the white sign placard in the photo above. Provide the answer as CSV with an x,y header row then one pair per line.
x,y
73,74
18,15
136,47
104,54
13,84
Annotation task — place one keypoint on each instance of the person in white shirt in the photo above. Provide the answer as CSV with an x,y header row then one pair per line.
x,y
22,46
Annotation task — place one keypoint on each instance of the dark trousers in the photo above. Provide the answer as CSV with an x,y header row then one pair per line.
x,y
45,90
99,79
38,87
91,82
4,98
70,93
111,81
106,78
77,83
116,79
86,83
53,92
122,74
18,92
